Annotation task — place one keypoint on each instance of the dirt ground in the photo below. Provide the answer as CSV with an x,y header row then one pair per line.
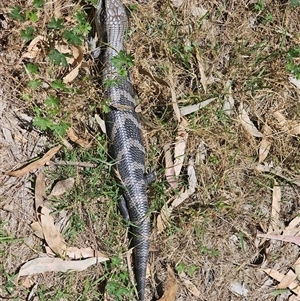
x,y
244,56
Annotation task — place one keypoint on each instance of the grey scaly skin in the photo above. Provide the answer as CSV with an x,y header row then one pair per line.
x,y
125,136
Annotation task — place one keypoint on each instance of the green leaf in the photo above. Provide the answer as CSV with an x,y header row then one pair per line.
x,y
295,2
60,129
80,16
294,52
56,23
123,62
58,84
180,267
83,27
26,97
38,4
43,123
52,101
191,270
58,58
34,83
32,15
73,38
27,34
115,261
32,68
16,14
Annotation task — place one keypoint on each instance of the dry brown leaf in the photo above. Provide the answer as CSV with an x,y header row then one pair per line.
x,y
180,146
297,268
265,144
293,227
27,283
228,99
293,127
162,219
73,137
78,253
287,238
78,59
248,124
295,130
101,123
72,74
36,164
39,191
173,95
170,171
33,50
203,78
287,280
264,149
52,236
37,229
295,82
188,284
177,3
275,226
47,264
282,122
192,181
294,298
293,286
171,287
62,187
166,211
201,154
193,108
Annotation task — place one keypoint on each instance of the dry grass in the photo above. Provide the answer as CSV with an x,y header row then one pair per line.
x,y
212,236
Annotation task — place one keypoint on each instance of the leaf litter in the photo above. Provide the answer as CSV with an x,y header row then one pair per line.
x,y
76,259
36,164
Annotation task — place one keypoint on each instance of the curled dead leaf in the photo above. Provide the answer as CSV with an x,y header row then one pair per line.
x,y
180,146
248,124
228,99
73,137
170,171
171,287
77,253
39,191
189,285
33,50
47,264
36,164
52,236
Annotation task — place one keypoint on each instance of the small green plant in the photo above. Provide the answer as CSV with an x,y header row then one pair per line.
x,y
58,58
10,282
123,61
48,117
292,66
16,13
32,68
119,285
182,267
295,3
259,6
46,123
27,34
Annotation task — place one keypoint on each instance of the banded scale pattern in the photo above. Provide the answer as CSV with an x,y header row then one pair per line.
x,y
125,135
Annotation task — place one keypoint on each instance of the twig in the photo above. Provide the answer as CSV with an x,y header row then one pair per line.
x,y
72,163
